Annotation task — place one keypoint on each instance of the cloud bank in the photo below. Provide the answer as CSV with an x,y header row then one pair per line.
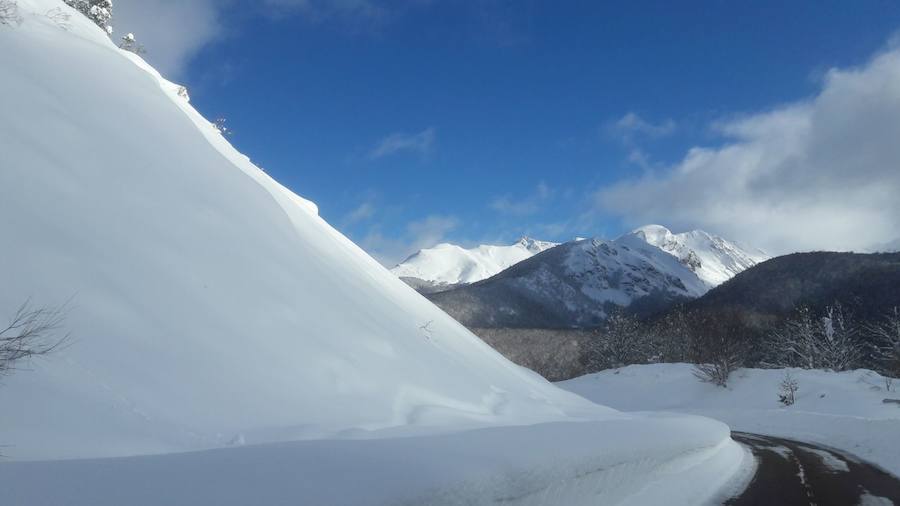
x,y
823,173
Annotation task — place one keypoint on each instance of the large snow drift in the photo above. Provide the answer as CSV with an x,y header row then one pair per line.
x,y
208,301
210,306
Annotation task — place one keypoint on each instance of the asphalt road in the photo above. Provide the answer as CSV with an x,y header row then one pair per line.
x,y
793,473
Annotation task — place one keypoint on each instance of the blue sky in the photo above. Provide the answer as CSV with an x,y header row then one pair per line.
x,y
414,122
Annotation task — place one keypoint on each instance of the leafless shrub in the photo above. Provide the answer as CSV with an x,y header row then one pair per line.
x,y
31,332
722,345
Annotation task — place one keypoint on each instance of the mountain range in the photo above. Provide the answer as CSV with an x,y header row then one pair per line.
x,y
447,265
578,283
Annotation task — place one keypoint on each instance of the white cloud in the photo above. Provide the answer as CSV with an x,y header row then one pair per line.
x,y
423,233
818,174
631,125
421,143
525,206
363,212
172,31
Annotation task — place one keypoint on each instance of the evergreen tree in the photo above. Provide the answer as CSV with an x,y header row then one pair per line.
x,y
98,11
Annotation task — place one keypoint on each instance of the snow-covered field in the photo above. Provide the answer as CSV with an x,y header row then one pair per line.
x,y
842,410
230,347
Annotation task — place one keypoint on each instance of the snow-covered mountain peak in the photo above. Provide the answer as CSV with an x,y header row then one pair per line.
x,y
655,234
712,258
535,245
576,283
449,264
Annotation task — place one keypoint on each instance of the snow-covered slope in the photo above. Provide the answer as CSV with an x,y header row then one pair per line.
x,y
210,306
842,410
575,284
209,303
714,259
449,264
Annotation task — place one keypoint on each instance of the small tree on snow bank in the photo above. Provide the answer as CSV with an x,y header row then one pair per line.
x,y
129,43
789,387
98,11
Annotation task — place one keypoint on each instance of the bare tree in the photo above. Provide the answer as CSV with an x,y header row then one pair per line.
x,y
839,347
9,13
828,342
722,345
795,343
625,343
31,332
885,337
672,337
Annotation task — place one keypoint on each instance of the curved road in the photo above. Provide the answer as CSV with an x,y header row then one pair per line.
x,y
794,473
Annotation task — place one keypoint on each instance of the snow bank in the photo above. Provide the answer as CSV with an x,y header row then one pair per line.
x,y
208,300
668,460
842,410
212,307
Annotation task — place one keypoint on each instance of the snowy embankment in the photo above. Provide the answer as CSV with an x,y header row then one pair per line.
x,y
230,347
841,410
677,460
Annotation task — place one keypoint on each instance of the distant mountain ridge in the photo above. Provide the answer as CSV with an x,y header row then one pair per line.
x,y
867,283
448,264
714,259
576,284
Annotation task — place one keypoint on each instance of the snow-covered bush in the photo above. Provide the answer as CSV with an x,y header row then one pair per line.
x,y
98,11
9,13
789,386
219,125
885,337
129,43
827,342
